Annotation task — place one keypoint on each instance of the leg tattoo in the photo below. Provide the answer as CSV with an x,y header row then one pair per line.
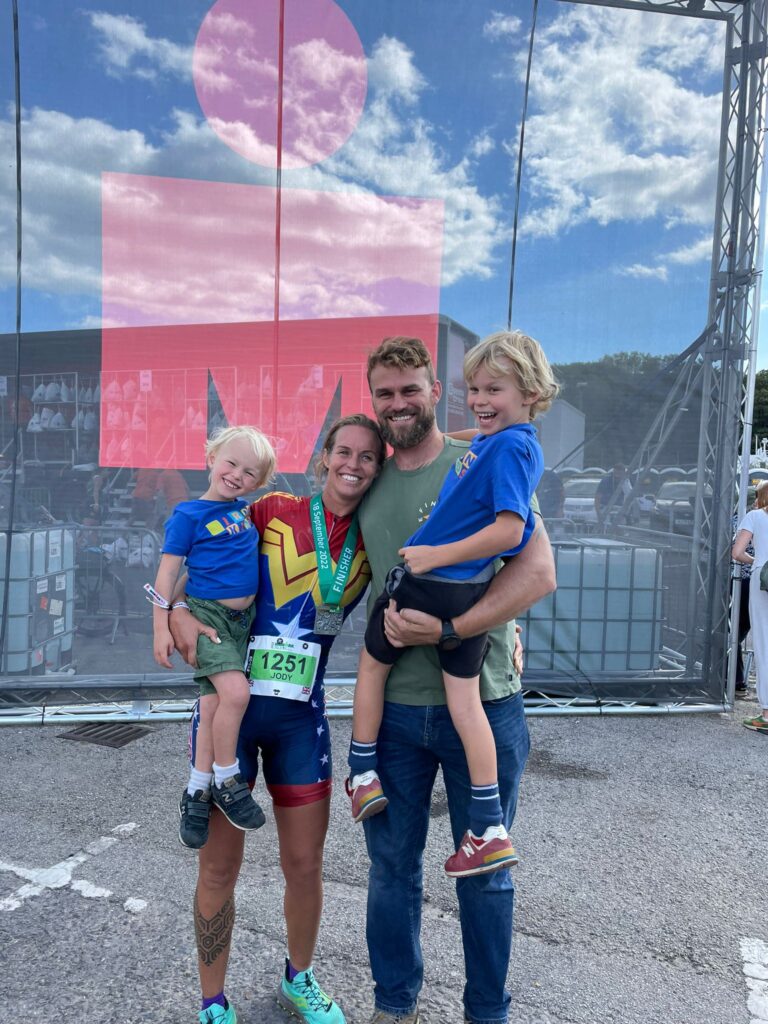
x,y
213,934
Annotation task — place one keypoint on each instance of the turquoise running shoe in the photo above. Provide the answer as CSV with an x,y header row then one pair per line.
x,y
218,1015
304,998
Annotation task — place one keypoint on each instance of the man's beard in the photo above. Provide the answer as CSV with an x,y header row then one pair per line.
x,y
414,434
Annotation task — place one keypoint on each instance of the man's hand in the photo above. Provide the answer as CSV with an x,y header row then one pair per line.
x,y
185,629
411,628
420,558
163,648
518,654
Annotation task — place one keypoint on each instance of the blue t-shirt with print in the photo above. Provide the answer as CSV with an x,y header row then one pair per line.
x,y
498,473
220,544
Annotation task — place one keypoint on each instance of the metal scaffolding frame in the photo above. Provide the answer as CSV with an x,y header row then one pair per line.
x,y
720,365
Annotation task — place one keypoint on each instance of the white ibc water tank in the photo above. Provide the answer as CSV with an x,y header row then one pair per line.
x,y
605,614
41,591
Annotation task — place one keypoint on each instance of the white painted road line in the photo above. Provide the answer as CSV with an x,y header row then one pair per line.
x,y
754,953
59,876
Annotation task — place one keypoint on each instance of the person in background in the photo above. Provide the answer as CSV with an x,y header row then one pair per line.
x,y
611,492
753,529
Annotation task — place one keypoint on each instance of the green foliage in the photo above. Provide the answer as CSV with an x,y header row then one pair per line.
x,y
620,396
760,412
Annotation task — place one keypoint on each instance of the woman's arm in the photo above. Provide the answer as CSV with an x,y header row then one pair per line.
x,y
502,535
165,580
185,628
740,545
523,581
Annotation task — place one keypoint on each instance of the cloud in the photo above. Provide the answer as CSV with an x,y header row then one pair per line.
x,y
392,72
501,25
696,252
639,270
393,152
616,133
127,50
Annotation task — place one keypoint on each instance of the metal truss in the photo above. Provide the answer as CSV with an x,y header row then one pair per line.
x,y
120,703
720,365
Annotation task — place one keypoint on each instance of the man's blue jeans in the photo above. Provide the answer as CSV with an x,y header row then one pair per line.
x,y
413,743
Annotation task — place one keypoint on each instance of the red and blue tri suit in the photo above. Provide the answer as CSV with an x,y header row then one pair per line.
x,y
292,736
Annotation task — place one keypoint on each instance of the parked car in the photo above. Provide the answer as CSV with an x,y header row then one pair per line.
x,y
579,504
674,508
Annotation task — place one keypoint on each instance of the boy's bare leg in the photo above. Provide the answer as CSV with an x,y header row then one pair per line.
x,y
234,693
471,723
364,787
204,737
368,705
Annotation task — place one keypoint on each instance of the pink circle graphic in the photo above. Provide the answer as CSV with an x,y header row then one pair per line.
x,y
235,70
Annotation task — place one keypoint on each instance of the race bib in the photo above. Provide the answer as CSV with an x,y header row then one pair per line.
x,y
277,666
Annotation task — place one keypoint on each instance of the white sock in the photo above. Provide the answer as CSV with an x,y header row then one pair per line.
x,y
222,772
198,780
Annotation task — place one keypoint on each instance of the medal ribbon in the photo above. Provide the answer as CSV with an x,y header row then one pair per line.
x,y
331,584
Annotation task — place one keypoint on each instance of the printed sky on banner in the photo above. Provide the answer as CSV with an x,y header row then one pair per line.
x,y
387,100
182,252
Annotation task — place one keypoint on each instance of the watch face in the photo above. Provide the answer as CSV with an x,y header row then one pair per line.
x,y
450,639
450,643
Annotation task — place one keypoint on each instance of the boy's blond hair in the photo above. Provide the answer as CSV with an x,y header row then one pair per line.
x,y
262,449
761,494
515,352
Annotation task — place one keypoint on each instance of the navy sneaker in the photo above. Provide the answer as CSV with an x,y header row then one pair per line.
x,y
234,800
194,812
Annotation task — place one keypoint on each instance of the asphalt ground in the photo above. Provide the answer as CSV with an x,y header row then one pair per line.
x,y
643,848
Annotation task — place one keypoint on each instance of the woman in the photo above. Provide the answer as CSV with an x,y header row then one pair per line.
x,y
299,611
753,529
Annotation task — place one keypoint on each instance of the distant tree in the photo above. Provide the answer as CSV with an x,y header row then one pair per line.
x,y
760,412
620,396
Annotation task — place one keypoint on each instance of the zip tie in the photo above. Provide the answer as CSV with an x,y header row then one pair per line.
x,y
156,599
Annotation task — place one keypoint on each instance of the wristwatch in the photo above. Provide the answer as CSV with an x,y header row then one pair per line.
x,y
449,638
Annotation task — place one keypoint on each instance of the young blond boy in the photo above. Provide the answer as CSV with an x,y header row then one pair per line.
x,y
220,543
482,512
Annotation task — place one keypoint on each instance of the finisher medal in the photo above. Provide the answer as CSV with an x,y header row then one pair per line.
x,y
329,616
328,620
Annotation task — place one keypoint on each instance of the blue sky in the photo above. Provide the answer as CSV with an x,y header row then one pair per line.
x,y
619,174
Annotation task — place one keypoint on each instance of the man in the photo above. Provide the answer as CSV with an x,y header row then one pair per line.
x,y
417,736
612,491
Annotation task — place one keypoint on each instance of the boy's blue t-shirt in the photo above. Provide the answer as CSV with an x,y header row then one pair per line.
x,y
498,473
220,544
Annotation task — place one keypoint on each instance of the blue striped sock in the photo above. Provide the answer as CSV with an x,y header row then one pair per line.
x,y
362,757
484,808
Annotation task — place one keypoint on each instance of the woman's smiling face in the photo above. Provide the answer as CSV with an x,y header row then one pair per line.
x,y
352,464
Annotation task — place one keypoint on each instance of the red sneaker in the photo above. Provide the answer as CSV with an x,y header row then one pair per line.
x,y
366,795
479,856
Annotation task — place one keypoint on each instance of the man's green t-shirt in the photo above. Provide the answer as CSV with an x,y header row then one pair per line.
x,y
397,504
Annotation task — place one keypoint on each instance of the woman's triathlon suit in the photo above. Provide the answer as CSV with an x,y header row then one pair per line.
x,y
291,731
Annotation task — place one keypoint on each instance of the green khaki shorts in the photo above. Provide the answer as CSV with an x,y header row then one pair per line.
x,y
233,629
